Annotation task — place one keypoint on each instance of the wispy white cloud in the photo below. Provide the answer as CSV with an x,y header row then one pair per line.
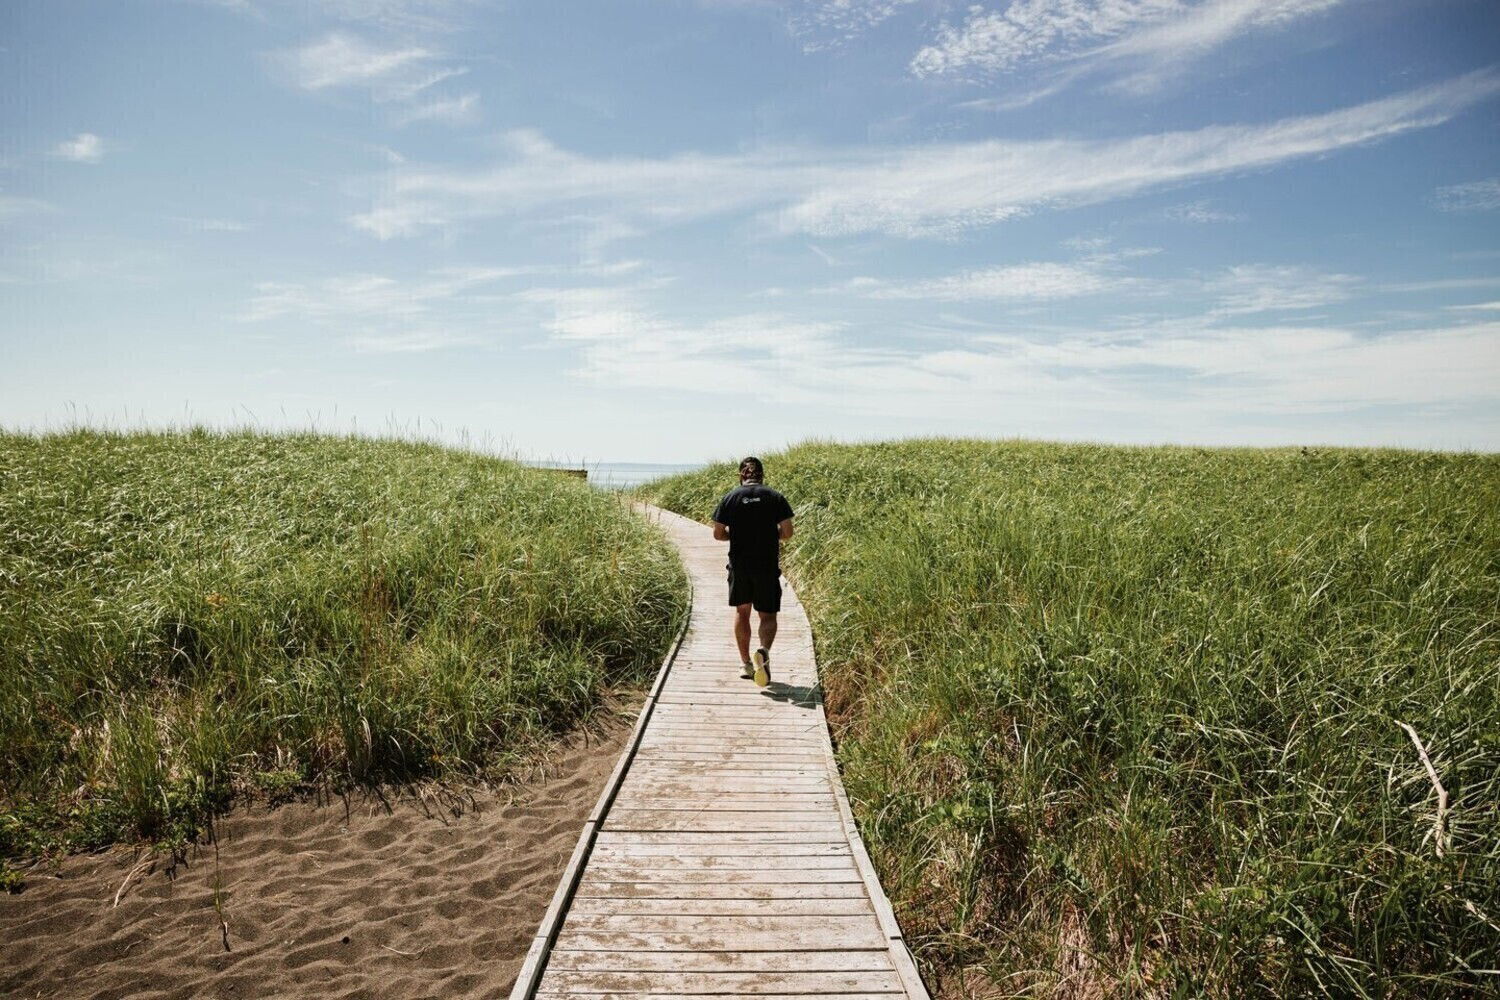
x,y
1037,281
1256,288
824,255
1160,50
402,77
1240,290
1189,369
371,295
823,24
1443,284
935,189
1476,196
341,60
85,147
905,191
461,110
1201,212
441,308
1139,42
1289,369
997,40
410,89
1014,102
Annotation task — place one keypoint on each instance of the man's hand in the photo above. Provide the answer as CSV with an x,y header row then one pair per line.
x,y
784,529
721,531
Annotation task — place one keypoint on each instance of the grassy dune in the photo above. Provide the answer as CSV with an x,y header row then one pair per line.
x,y
187,615
1126,721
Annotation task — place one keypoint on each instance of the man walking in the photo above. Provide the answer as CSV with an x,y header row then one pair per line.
x,y
754,519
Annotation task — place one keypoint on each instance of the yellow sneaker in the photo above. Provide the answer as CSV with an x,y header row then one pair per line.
x,y
762,661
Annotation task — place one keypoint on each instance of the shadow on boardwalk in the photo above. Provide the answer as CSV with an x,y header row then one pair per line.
x,y
795,695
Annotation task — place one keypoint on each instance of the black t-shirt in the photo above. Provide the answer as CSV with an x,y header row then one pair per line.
x,y
752,513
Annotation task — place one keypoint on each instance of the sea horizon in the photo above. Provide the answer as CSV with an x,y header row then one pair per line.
x,y
622,475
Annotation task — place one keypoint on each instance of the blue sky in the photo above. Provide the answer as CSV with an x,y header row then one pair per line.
x,y
671,231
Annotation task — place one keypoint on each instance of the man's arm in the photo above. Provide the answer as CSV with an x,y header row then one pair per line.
x,y
783,530
721,531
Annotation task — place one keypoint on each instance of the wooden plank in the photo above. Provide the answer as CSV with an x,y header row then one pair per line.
x,y
707,996
749,853
723,863
698,769
642,995
747,756
781,926
848,906
688,714
658,889
775,802
747,761
724,840
753,727
638,941
646,820
743,983
731,785
715,734
739,744
745,876
722,961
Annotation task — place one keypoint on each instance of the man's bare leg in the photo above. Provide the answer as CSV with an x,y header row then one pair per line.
x,y
761,661
767,629
742,633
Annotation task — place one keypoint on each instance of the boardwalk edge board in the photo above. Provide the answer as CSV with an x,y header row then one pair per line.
x,y
664,761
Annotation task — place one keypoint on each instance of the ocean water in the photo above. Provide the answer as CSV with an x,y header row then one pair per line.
x,y
624,475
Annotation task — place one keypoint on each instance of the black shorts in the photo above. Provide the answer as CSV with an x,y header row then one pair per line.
x,y
760,589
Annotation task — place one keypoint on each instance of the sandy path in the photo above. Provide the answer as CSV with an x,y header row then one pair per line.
x,y
356,898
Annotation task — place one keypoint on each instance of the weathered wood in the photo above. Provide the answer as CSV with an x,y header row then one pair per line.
x,y
640,995
849,907
722,961
696,770
771,875
723,859
750,854
734,785
662,889
833,928
722,982
724,862
744,755
723,841
724,822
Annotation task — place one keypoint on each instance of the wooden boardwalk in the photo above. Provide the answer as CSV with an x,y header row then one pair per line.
x,y
722,859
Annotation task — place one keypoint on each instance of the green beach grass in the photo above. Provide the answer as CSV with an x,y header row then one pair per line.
x,y
185,616
1130,721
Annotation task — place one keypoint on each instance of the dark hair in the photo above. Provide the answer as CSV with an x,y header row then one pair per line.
x,y
759,470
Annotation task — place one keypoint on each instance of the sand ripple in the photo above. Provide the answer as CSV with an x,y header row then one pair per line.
x,y
394,896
